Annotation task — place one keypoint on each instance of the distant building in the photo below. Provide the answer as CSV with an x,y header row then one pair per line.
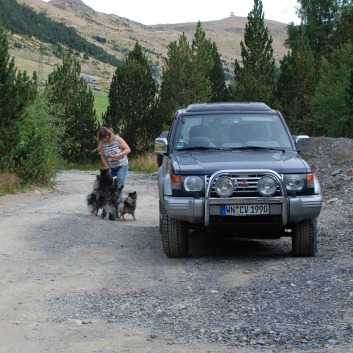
x,y
232,14
91,82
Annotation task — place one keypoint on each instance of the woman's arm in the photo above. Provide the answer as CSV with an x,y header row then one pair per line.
x,y
104,158
125,149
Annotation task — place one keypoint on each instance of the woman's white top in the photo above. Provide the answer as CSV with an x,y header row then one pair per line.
x,y
113,147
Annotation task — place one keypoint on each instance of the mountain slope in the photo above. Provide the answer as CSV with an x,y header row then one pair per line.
x,y
120,34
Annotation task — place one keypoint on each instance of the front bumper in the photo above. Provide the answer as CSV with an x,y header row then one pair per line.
x,y
206,211
200,211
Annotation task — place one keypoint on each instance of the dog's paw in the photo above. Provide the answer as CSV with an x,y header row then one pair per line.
x,y
91,210
112,217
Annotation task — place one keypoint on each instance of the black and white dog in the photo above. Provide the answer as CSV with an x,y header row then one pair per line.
x,y
113,201
105,195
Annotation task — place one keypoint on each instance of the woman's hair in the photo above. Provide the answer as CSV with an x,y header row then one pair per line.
x,y
104,132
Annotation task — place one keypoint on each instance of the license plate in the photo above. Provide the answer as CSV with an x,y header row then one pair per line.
x,y
243,210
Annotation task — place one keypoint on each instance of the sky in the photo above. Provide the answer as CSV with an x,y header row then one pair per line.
x,y
152,12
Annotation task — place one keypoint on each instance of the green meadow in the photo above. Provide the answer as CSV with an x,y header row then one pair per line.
x,y
100,103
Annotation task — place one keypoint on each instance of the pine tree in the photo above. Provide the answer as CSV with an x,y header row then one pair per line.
x,y
17,91
329,105
220,92
132,103
202,63
345,24
296,86
72,102
255,80
349,96
320,19
177,71
186,74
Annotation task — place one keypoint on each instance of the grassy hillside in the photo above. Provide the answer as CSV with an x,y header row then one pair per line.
x,y
100,103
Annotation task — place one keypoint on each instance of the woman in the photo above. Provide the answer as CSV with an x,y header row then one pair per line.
x,y
114,150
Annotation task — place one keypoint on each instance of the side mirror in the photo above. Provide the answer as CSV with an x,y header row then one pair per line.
x,y
160,148
160,145
302,142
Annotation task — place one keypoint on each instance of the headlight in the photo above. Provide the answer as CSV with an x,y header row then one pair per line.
x,y
193,183
294,182
267,186
224,187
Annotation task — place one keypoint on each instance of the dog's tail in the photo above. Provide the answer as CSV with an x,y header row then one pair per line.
x,y
91,200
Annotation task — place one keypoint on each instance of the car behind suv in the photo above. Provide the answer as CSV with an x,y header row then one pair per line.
x,y
235,169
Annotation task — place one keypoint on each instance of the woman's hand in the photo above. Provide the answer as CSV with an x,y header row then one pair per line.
x,y
115,156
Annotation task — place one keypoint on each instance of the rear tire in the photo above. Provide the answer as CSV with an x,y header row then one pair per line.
x,y
304,238
175,235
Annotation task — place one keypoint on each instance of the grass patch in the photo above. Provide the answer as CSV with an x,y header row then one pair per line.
x,y
144,164
85,166
9,183
100,103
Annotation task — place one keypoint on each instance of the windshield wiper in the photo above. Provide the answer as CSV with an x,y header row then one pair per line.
x,y
258,148
196,148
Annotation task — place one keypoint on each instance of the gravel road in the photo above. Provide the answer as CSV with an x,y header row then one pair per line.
x,y
71,282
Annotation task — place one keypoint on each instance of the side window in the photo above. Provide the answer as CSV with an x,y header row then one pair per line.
x,y
172,129
186,126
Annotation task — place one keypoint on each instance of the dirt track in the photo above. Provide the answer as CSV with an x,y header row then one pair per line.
x,y
50,247
57,262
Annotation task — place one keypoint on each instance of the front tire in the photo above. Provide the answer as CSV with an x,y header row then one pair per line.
x,y
304,238
175,235
160,216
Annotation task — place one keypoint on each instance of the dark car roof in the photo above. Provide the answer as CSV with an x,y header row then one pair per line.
x,y
228,106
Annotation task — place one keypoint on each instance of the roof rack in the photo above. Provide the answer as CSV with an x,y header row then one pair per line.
x,y
228,106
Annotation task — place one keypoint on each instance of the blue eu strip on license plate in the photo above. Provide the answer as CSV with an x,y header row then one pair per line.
x,y
243,210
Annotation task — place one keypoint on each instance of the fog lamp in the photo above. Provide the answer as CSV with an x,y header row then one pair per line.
x,y
267,186
224,187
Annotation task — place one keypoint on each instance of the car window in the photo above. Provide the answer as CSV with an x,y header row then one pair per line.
x,y
232,130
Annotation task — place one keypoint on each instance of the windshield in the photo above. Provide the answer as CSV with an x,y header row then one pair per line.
x,y
232,131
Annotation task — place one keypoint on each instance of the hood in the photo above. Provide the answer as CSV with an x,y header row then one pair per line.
x,y
208,162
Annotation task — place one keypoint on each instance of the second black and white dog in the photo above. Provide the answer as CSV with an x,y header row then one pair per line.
x,y
128,205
